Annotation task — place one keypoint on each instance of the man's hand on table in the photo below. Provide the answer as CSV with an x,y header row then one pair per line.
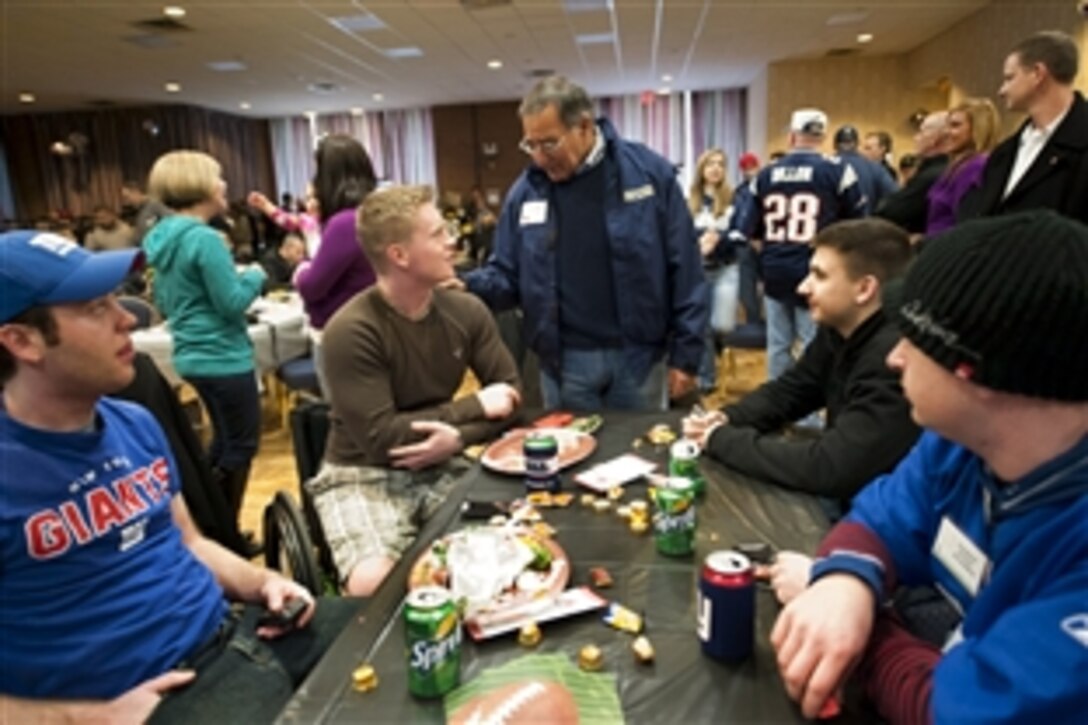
x,y
701,424
499,400
442,441
788,575
681,383
820,636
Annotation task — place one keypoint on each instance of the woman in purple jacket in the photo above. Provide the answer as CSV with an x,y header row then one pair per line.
x,y
970,135
339,270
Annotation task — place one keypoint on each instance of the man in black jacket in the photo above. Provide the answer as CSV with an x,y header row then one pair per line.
x,y
908,206
1044,164
869,427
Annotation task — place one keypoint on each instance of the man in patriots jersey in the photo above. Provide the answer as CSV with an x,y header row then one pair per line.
x,y
109,595
793,199
990,507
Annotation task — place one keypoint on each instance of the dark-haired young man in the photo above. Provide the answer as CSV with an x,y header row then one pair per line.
x,y
868,421
1045,164
990,507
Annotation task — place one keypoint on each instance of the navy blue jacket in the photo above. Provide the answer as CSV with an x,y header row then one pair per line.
x,y
873,179
656,268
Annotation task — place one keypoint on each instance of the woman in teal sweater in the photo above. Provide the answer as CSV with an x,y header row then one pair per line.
x,y
205,301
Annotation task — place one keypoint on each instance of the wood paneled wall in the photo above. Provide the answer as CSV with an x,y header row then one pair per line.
x,y
461,133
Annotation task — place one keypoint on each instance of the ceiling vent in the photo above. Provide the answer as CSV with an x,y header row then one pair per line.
x,y
323,88
842,52
539,73
102,103
484,4
162,25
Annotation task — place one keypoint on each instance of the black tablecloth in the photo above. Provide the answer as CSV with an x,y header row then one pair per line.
x,y
681,686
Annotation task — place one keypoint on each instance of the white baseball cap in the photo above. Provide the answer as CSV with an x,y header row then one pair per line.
x,y
811,121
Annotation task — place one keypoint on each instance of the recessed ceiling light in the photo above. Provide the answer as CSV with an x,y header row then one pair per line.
x,y
494,64
408,51
227,66
865,37
173,11
310,114
244,105
663,91
27,98
172,87
356,111
666,78
378,97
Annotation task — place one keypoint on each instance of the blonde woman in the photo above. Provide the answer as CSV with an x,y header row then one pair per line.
x,y
710,201
970,136
205,301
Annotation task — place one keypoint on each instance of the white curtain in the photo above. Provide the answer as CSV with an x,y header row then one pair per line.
x,y
719,120
292,154
655,120
400,144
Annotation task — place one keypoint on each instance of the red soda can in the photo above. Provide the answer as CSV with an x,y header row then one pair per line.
x,y
727,606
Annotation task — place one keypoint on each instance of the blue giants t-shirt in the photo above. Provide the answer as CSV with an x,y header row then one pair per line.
x,y
97,591
795,198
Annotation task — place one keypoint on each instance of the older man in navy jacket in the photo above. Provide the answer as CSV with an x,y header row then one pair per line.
x,y
597,246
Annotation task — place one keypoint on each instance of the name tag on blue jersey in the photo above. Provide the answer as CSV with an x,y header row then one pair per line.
x,y
638,193
533,212
961,557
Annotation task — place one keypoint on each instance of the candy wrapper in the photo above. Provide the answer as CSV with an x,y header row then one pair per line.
x,y
622,618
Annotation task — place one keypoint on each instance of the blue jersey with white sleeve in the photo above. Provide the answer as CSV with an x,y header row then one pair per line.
x,y
794,199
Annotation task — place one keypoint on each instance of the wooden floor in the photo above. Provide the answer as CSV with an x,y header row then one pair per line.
x,y
274,469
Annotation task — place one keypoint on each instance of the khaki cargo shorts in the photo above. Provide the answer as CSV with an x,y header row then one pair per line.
x,y
367,512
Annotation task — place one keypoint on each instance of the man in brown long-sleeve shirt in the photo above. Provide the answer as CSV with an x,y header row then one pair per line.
x,y
395,355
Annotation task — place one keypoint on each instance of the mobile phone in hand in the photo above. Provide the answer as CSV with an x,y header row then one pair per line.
x,y
287,616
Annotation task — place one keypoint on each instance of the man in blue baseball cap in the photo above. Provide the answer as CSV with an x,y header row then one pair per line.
x,y
111,595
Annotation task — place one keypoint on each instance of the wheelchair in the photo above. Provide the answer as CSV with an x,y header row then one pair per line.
x,y
293,539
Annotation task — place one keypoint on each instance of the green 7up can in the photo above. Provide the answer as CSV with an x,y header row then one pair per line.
x,y
674,517
432,629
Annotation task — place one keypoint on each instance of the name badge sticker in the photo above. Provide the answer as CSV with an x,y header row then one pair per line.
x,y
638,193
961,556
533,212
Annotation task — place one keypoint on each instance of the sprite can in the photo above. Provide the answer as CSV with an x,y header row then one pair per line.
x,y
674,516
684,463
432,630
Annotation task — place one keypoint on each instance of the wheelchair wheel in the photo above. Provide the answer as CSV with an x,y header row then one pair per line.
x,y
287,544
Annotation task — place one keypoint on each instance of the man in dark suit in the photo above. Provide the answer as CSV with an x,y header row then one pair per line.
x,y
1045,164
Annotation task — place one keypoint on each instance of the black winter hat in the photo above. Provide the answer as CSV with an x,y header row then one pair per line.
x,y
1003,302
846,136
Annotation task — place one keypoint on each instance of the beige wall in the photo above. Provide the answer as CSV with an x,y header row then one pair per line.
x,y
881,92
756,100
987,36
868,92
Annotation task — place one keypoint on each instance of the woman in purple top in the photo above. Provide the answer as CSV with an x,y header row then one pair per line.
x,y
339,270
970,135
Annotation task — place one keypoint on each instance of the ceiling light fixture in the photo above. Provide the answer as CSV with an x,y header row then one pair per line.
x,y
378,97
494,64
356,111
172,87
666,78
27,98
173,11
664,91
865,37
244,105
